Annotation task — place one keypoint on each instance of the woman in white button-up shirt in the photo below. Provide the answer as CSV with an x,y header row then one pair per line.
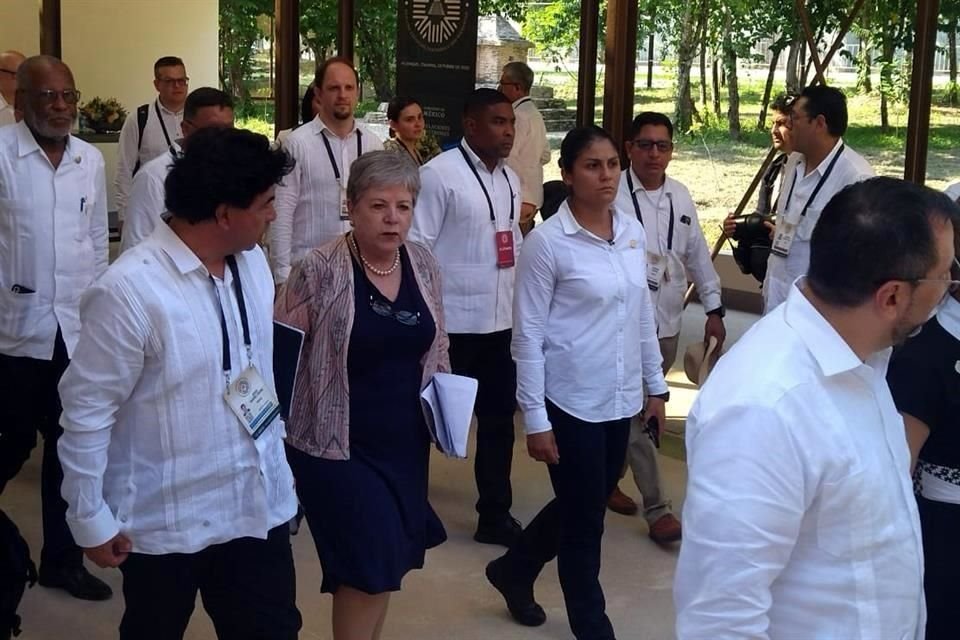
x,y
585,345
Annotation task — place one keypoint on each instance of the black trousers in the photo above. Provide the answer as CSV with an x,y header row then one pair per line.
x,y
940,522
487,358
248,588
31,405
570,527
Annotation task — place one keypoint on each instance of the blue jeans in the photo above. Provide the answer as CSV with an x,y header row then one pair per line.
x,y
570,527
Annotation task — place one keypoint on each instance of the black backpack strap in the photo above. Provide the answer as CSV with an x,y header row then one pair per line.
x,y
142,112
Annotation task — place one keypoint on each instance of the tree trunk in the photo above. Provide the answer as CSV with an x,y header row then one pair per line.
x,y
802,65
703,75
650,62
952,93
716,87
886,79
768,89
864,68
730,68
702,45
683,109
793,74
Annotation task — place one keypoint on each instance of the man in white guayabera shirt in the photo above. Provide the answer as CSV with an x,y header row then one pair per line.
x,y
174,468
800,519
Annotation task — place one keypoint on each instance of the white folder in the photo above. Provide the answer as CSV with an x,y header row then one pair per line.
x,y
448,407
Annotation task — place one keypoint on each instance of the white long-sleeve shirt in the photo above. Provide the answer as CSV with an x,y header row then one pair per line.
x,y
584,333
154,144
53,240
7,115
783,272
800,520
669,219
531,150
308,200
146,203
150,447
452,217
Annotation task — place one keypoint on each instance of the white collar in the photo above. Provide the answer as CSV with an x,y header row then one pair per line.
x,y
477,162
168,111
638,186
27,144
572,227
4,104
320,126
822,167
949,317
183,257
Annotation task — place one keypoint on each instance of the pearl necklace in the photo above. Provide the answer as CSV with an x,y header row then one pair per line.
x,y
373,269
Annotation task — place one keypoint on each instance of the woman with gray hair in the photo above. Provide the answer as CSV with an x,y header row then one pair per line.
x,y
369,303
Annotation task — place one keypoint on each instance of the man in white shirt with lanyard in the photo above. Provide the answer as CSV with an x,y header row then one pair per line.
x,y
531,150
675,248
818,121
205,107
800,516
152,129
468,214
9,62
312,201
174,467
53,234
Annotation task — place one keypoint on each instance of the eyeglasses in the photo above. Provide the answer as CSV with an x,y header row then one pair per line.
x,y
647,145
952,285
384,310
13,73
174,82
49,96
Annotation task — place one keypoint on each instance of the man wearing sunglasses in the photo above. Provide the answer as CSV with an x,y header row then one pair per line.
x,y
9,61
53,245
153,128
676,248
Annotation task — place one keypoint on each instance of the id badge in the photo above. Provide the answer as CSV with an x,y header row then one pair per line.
x,y
783,239
655,270
252,402
505,257
344,212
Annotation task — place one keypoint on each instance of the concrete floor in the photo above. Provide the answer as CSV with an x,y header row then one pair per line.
x,y
450,598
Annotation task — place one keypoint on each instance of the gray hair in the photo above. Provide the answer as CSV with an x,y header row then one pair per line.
x,y
24,79
520,73
377,169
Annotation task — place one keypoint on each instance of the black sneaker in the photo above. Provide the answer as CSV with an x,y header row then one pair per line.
x,y
505,532
518,595
76,581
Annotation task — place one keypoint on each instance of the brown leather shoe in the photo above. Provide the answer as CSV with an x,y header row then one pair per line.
x,y
621,503
666,529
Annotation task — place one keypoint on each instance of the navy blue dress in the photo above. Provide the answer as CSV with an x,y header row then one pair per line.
x,y
369,515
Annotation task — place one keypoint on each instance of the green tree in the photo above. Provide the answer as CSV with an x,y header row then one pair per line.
x,y
239,30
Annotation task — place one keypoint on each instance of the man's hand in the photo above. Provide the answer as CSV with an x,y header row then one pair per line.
x,y
111,553
543,447
772,227
729,225
715,329
527,211
656,408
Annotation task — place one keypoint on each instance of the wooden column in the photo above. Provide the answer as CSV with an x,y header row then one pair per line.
x,y
620,58
286,91
345,28
50,32
921,89
587,77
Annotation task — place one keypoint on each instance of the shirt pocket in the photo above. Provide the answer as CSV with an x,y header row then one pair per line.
x,y
808,223
16,267
20,313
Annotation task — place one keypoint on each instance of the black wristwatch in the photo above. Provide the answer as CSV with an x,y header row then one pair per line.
x,y
719,311
661,396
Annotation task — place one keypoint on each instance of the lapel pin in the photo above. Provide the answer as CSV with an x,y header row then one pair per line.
x,y
633,245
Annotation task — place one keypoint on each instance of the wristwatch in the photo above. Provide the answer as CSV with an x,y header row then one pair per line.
x,y
661,396
719,311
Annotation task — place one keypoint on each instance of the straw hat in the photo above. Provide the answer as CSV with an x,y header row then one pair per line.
x,y
700,359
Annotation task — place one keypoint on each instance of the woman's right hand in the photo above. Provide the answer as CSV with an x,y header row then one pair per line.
x,y
543,447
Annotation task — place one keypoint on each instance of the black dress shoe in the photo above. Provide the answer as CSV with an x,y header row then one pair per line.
x,y
505,532
76,581
518,595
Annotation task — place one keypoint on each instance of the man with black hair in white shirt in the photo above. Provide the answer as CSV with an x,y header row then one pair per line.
x,y
53,245
468,213
174,467
800,518
675,250
205,107
818,120
152,129
312,201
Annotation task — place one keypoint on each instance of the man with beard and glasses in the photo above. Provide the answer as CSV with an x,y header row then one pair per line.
x,y
312,201
800,519
53,245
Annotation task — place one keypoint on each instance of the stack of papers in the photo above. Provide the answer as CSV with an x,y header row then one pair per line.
x,y
448,407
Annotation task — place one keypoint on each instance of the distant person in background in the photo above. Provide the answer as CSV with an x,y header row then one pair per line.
x,y
9,62
531,150
407,133
152,129
309,108
205,107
